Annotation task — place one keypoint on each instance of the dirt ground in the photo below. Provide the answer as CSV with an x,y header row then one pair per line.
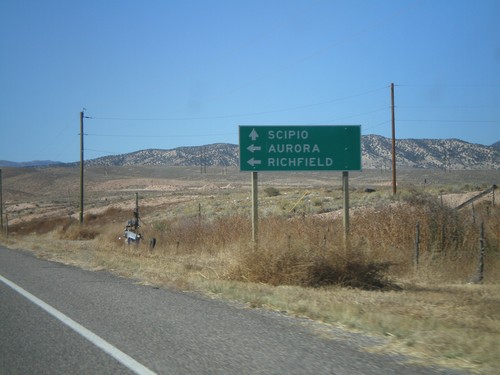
x,y
34,193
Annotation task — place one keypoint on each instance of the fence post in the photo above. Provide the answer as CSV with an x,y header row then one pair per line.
x,y
478,278
443,239
417,246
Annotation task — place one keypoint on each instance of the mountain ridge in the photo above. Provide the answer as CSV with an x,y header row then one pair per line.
x,y
376,154
29,164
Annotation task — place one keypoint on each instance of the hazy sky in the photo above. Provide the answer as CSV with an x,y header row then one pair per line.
x,y
163,74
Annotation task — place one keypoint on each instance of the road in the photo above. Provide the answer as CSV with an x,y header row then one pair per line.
x,y
58,319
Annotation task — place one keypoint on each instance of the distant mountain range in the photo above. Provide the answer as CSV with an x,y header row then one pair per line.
x,y
429,153
34,163
376,153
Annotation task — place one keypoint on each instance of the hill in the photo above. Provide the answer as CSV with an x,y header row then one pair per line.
x,y
34,163
376,153
429,153
223,154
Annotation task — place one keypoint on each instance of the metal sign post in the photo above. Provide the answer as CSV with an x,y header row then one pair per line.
x,y
345,190
81,169
255,208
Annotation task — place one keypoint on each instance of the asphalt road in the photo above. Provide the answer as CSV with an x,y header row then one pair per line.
x,y
57,319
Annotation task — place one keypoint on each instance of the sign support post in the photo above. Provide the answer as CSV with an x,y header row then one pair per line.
x,y
1,203
81,169
345,190
255,208
271,148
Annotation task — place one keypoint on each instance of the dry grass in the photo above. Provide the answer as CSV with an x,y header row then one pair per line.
x,y
303,266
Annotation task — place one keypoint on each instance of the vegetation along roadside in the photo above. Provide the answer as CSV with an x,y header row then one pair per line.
x,y
414,269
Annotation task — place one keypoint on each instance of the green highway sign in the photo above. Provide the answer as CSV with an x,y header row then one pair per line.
x,y
300,148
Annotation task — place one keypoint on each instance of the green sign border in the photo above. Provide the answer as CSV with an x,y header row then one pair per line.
x,y
300,148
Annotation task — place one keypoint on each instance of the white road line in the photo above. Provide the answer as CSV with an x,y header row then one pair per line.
x,y
117,354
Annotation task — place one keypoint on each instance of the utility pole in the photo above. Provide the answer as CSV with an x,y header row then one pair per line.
x,y
81,167
393,142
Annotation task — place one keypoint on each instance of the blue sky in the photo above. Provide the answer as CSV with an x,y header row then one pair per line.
x,y
164,74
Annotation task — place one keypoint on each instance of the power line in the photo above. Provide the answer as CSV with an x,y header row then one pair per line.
x,y
120,135
456,121
352,116
446,107
285,109
240,114
376,125
104,152
159,136
450,85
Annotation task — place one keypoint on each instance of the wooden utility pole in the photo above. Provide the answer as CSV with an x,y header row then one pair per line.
x,y
81,167
393,142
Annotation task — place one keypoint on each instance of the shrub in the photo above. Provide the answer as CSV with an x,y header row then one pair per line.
x,y
39,226
271,191
310,269
79,233
305,258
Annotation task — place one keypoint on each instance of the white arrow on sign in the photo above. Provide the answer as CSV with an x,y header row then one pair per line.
x,y
254,162
253,148
253,135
